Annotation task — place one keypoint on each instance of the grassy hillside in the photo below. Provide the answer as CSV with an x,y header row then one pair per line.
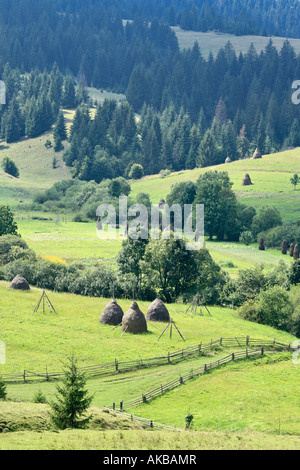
x,y
36,341
270,177
258,395
212,41
145,440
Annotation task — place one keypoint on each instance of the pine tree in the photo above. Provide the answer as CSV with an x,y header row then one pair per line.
x,y
69,411
68,99
59,133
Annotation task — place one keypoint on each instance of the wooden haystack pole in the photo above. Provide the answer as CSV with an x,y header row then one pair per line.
x,y
197,304
19,283
112,314
134,320
256,154
157,311
247,180
42,302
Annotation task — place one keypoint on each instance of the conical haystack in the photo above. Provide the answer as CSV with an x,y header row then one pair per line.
x,y
112,314
256,154
246,180
134,320
157,311
161,203
228,160
19,283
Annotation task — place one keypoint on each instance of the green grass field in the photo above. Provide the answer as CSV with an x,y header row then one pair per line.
x,y
258,395
270,177
212,41
217,399
145,440
36,341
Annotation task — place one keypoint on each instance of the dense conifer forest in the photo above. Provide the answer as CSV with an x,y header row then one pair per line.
x,y
192,111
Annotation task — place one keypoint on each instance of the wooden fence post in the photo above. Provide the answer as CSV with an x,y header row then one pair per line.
x,y
121,405
24,376
181,380
169,358
232,356
117,365
262,351
144,399
221,340
151,424
247,340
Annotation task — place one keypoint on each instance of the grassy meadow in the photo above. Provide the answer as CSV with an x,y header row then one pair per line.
x,y
245,405
36,341
270,177
263,386
213,41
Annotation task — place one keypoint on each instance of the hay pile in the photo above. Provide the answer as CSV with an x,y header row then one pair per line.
x,y
246,180
228,160
112,314
19,283
157,311
256,154
134,320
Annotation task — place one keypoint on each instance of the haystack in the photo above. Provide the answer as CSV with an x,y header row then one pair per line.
x,y
19,283
112,314
228,160
246,180
157,311
134,320
161,203
256,154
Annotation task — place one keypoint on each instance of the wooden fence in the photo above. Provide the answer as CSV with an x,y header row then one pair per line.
x,y
144,398
146,423
116,366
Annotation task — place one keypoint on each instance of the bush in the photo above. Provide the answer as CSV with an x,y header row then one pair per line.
x,y
267,218
246,238
10,167
7,224
271,307
11,248
136,172
39,397
273,238
3,392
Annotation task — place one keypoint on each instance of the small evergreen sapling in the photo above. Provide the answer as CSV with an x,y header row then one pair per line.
x,y
69,411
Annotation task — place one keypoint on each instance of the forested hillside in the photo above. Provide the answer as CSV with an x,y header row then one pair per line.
x,y
263,17
192,111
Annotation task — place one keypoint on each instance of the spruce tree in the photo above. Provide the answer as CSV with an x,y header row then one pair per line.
x,y
60,132
69,411
69,94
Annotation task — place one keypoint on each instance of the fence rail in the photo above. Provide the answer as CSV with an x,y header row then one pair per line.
x,y
144,398
146,423
116,366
